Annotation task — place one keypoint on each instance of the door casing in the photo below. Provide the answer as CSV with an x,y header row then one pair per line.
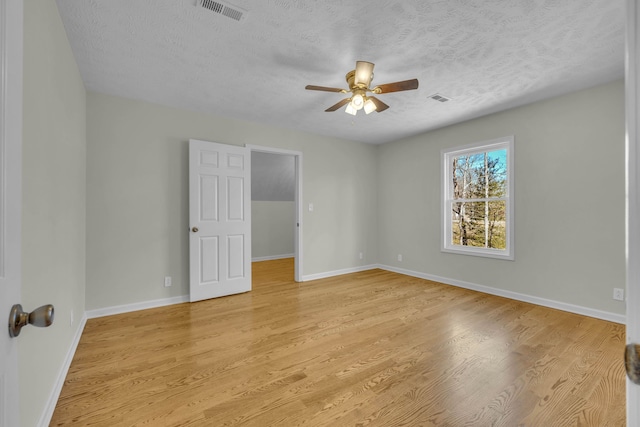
x,y
298,252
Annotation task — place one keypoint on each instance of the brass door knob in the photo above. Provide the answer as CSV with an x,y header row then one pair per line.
x,y
41,317
632,362
194,229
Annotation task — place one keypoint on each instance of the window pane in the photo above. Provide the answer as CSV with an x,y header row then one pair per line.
x,y
496,173
481,175
497,225
479,224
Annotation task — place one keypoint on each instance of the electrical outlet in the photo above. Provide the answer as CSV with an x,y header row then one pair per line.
x,y
167,281
71,318
361,255
618,294
400,257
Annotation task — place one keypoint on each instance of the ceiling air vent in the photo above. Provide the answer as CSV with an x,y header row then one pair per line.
x,y
439,98
224,9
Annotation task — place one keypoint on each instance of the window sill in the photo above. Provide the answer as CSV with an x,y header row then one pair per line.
x,y
480,252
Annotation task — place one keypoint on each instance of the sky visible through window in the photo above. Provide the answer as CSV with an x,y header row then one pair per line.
x,y
472,178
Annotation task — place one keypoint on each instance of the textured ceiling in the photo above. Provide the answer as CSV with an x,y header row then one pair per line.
x,y
486,55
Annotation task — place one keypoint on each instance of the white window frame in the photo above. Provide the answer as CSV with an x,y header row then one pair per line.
x,y
447,156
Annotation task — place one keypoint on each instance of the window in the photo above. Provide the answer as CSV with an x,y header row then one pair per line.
x,y
477,199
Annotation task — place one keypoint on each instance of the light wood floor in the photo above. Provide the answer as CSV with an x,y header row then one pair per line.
x,y
366,349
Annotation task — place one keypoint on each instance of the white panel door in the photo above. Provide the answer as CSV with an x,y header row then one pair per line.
x,y
220,220
10,201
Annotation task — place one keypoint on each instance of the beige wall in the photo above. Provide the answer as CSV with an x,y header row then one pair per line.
x,y
272,228
137,196
54,199
569,202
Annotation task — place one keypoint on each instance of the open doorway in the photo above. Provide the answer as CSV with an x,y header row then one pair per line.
x,y
276,199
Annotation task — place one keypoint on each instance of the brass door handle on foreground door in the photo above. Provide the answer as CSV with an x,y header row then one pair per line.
x,y
632,362
41,317
194,229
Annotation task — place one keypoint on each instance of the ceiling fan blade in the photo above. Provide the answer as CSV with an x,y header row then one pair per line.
x,y
380,106
364,73
397,86
324,88
334,107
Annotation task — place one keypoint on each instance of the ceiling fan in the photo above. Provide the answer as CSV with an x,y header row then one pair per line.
x,y
359,81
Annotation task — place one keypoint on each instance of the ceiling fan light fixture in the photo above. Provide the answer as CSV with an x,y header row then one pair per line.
x,y
369,106
350,109
357,101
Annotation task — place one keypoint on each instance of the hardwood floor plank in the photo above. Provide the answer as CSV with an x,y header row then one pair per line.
x,y
366,349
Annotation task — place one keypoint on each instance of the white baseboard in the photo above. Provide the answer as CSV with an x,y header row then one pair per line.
x,y
127,308
271,257
338,272
45,418
571,308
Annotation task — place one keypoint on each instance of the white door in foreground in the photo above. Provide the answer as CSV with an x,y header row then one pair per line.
x,y
219,220
10,202
632,89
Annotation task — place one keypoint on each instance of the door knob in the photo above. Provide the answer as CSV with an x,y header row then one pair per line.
x,y
194,229
632,362
41,317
